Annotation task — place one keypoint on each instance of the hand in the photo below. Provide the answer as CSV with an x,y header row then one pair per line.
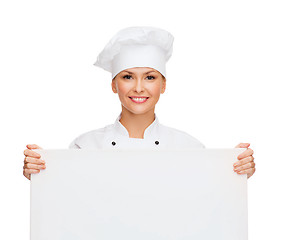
x,y
246,161
32,161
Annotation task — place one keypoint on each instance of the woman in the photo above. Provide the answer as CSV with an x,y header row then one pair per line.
x,y
136,57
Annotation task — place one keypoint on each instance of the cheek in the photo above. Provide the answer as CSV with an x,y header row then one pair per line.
x,y
155,89
123,89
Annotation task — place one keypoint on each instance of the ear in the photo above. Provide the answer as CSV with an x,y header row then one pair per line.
x,y
113,85
163,85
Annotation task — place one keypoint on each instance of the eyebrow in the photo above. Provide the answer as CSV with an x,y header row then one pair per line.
x,y
133,73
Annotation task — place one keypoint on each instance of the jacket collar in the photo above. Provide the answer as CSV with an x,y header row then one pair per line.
x,y
150,131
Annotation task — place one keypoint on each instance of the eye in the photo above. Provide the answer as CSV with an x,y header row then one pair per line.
x,y
150,77
127,76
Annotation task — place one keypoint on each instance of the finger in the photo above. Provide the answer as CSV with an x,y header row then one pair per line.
x,y
33,146
245,166
243,145
29,171
34,166
30,153
246,153
33,160
244,161
249,171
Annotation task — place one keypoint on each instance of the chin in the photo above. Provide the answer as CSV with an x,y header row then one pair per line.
x,y
138,111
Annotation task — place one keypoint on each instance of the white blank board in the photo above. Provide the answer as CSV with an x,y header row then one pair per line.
x,y
139,195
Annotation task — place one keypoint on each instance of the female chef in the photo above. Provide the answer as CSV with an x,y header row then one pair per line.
x,y
136,58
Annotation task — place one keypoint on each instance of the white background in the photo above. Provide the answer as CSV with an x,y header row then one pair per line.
x,y
222,86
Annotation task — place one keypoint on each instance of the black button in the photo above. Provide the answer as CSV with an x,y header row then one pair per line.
x,y
113,143
156,142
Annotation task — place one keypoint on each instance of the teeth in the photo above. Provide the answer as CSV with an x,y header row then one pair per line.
x,y
139,99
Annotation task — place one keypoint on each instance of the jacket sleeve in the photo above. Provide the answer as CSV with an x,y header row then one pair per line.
x,y
73,144
202,145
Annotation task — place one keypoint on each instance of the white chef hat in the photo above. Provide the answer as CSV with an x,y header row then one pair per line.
x,y
137,47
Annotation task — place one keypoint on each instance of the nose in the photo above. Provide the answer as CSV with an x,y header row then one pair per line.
x,y
139,85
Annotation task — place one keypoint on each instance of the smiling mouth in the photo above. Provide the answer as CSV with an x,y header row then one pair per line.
x,y
139,99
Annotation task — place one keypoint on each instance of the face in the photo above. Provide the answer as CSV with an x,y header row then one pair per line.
x,y
139,88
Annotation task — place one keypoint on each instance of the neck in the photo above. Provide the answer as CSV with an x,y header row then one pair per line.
x,y
136,123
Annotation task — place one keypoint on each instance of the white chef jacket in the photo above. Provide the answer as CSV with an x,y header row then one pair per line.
x,y
116,136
